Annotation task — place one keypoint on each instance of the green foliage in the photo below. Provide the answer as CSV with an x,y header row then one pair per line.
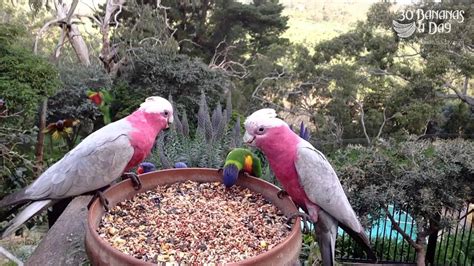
x,y
420,176
310,254
202,25
386,249
396,82
157,72
71,100
456,249
25,79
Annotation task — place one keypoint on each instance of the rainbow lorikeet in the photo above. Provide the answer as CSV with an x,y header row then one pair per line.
x,y
145,167
237,160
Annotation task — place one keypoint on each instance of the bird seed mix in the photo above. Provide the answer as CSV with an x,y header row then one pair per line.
x,y
194,222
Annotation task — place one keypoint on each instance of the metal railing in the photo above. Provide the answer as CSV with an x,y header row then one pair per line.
x,y
451,246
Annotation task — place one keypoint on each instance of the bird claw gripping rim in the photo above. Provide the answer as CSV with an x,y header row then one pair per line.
x,y
137,184
282,193
305,218
103,200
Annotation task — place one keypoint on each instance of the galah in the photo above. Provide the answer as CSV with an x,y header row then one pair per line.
x,y
308,178
96,162
238,160
145,167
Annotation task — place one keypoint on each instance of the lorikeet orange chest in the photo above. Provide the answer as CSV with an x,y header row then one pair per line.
x,y
248,164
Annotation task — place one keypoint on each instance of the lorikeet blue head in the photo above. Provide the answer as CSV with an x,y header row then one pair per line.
x,y
146,167
231,172
180,165
237,160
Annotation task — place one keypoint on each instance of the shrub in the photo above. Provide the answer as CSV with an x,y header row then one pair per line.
x,y
424,177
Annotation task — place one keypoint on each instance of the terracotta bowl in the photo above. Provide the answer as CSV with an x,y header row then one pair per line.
x,y
101,252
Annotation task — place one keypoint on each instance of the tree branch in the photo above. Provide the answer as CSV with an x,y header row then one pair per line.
x,y
385,120
71,11
259,86
61,41
460,95
362,122
396,226
41,31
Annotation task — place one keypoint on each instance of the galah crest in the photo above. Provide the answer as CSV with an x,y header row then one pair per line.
x,y
96,162
308,178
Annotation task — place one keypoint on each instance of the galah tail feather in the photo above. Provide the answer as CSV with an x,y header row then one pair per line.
x,y
308,178
238,160
96,162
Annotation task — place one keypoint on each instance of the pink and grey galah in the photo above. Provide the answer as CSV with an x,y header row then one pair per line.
x,y
308,178
96,162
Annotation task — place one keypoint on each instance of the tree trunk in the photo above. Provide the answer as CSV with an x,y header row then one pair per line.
x,y
79,45
108,53
432,239
39,149
420,249
420,257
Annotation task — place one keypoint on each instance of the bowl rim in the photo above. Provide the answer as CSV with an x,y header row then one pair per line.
x,y
91,230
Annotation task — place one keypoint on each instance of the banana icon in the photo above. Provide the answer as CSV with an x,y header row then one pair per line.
x,y
404,30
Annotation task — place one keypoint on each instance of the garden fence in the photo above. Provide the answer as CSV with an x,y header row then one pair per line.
x,y
451,246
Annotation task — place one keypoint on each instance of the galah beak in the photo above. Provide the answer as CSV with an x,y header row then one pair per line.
x,y
170,121
249,139
140,170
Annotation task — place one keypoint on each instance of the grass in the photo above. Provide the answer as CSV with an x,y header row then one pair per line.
x,y
313,21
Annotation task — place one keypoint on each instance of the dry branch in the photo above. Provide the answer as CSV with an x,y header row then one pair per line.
x,y
220,60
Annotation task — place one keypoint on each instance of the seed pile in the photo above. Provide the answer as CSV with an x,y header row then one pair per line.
x,y
194,222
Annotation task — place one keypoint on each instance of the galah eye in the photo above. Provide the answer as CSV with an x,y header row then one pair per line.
x,y
260,130
166,113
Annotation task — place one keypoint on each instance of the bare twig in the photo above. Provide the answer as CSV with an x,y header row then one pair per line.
x,y
220,61
385,120
257,89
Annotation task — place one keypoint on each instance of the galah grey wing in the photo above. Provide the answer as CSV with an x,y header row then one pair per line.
x,y
94,163
322,186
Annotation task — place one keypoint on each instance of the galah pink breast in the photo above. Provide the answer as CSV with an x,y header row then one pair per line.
x,y
97,161
308,178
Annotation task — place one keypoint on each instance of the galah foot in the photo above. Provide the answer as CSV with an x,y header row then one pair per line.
x,y
305,218
137,184
282,193
103,200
